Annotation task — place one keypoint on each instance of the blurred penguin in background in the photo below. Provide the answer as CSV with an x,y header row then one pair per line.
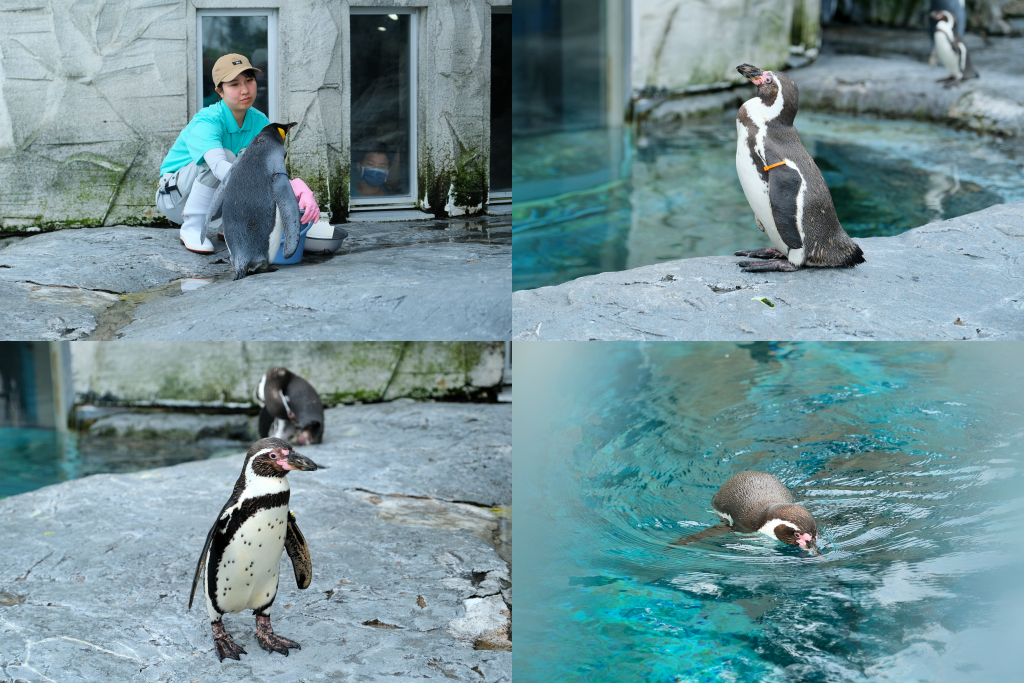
x,y
292,409
951,49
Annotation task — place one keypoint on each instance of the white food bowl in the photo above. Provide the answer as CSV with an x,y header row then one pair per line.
x,y
322,244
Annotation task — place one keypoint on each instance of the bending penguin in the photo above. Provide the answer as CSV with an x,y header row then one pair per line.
x,y
951,49
783,185
292,409
758,502
243,549
258,204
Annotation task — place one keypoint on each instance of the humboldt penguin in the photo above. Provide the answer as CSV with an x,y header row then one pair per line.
x,y
959,11
243,549
257,203
951,49
757,502
292,409
783,185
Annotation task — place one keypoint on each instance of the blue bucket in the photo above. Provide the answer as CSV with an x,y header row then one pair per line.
x,y
279,258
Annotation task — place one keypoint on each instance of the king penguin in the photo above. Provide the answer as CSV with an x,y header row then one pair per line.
x,y
951,49
783,185
258,204
243,549
292,409
758,502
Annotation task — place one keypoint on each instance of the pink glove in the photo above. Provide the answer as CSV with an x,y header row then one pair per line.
x,y
307,203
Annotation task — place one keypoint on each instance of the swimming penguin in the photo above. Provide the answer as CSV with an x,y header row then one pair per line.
x,y
758,502
243,549
258,204
783,185
292,409
951,49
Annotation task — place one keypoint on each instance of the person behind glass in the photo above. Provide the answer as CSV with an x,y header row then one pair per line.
x,y
374,169
210,143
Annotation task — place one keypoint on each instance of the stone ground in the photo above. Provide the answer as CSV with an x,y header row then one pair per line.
x,y
959,279
408,584
885,72
424,280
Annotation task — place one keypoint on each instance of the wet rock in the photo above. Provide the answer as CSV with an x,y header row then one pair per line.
x,y
958,279
105,563
901,87
409,281
175,426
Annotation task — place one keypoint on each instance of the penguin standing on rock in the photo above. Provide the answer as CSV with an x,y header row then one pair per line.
x,y
258,203
758,502
951,49
783,185
242,554
292,409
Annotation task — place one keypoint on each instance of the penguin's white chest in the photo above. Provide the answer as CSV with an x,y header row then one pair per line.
x,y
275,235
948,54
755,189
248,569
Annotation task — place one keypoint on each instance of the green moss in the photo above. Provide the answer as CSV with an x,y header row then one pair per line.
x,y
434,181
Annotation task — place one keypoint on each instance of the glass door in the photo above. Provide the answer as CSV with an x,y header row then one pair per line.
x,y
383,106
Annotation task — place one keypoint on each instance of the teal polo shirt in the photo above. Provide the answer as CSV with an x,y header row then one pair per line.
x,y
212,127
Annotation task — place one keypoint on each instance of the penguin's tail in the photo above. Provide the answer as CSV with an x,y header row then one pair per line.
x,y
854,255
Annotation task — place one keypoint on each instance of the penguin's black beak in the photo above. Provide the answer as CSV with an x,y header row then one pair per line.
x,y
750,72
297,461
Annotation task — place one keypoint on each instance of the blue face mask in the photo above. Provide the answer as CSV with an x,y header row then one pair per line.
x,y
374,177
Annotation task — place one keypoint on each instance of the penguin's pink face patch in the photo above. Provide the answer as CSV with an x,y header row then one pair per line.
x,y
765,77
803,539
280,456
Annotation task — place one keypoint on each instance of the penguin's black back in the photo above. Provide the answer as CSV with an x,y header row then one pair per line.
x,y
747,495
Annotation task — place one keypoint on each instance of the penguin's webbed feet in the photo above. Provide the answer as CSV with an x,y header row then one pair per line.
x,y
270,641
226,647
768,253
766,266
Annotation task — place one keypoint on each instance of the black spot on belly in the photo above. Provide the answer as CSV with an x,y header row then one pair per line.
x,y
251,223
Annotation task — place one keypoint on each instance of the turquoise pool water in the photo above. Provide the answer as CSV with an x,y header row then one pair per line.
x,y
33,458
602,200
908,455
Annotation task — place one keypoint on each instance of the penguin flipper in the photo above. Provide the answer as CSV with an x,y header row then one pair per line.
x,y
217,201
783,189
705,533
202,561
297,549
288,205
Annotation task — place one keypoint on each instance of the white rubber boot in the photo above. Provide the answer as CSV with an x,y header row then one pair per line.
x,y
194,213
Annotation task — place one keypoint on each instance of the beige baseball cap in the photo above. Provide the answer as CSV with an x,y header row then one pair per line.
x,y
229,66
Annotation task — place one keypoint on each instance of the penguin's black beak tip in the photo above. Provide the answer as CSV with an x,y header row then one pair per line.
x,y
297,461
749,71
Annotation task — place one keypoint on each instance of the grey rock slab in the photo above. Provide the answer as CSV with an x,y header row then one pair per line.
x,y
181,426
902,87
115,259
959,279
432,291
96,575
35,312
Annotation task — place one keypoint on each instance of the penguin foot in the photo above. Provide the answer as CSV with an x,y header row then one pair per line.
x,y
269,641
226,648
765,266
761,253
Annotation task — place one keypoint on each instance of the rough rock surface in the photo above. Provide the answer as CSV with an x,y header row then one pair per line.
x,y
96,573
959,279
431,280
901,86
181,426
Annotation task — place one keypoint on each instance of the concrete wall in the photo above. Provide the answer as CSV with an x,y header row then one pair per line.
x,y
93,93
683,45
225,373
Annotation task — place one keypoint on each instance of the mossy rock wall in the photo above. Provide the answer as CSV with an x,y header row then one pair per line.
x,y
225,373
